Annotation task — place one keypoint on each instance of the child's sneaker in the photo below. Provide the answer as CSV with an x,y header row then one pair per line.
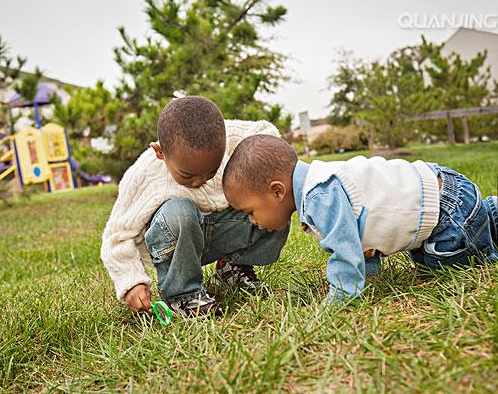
x,y
234,275
195,307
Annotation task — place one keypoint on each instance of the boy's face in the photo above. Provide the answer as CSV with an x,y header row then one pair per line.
x,y
269,209
189,167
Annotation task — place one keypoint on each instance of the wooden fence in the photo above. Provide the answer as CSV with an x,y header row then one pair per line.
x,y
449,115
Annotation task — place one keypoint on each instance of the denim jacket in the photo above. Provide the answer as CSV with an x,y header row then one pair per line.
x,y
340,232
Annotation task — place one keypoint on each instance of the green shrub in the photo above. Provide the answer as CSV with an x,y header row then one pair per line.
x,y
340,138
299,146
91,161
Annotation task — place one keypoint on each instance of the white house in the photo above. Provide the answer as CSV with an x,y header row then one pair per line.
x,y
469,42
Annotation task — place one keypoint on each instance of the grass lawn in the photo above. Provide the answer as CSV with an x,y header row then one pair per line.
x,y
62,330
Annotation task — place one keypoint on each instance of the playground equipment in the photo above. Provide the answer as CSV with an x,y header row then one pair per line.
x,y
42,155
39,156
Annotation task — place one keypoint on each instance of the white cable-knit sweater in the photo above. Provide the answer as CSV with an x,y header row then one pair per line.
x,y
145,186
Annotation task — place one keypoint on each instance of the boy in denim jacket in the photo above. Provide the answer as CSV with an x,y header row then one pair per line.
x,y
362,208
171,209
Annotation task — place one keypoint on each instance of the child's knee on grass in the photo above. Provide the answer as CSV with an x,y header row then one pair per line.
x,y
466,228
491,204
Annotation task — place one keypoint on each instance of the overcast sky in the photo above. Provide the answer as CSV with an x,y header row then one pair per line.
x,y
72,40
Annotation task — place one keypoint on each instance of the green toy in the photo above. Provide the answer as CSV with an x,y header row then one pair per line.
x,y
163,313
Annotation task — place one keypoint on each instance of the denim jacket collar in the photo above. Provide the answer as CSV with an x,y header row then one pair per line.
x,y
298,178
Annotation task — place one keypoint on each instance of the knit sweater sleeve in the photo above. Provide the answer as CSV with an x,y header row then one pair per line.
x,y
119,252
237,130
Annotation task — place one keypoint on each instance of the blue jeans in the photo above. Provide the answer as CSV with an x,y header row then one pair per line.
x,y
180,240
467,225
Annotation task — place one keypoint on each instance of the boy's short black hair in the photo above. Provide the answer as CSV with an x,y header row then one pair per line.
x,y
257,161
193,121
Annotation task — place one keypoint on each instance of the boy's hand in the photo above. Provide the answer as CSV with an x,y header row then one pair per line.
x,y
138,298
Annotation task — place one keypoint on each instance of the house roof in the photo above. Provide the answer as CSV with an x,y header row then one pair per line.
x,y
43,96
466,30
469,42
47,86
45,78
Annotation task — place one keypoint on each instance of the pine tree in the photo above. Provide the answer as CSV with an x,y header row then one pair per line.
x,y
10,70
384,94
206,47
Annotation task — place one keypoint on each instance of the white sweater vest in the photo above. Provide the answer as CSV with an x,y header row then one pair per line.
x,y
401,198
145,186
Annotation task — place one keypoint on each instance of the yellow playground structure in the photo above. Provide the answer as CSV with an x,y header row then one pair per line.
x,y
38,156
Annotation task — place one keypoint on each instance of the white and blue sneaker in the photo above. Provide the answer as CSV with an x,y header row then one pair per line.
x,y
196,307
236,275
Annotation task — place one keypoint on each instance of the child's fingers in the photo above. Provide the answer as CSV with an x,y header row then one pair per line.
x,y
148,300
133,303
138,299
145,302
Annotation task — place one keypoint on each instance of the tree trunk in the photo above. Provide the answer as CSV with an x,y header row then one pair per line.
x,y
465,125
451,129
370,138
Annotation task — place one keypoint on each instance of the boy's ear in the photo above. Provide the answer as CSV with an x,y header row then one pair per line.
x,y
158,150
278,190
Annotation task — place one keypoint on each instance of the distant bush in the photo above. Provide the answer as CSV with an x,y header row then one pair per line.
x,y
299,147
340,138
94,162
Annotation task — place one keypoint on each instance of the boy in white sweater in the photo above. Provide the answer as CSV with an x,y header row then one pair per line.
x,y
171,209
362,208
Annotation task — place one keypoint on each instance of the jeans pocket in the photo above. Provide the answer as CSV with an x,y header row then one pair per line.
x,y
435,255
445,249
446,246
160,241
164,252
